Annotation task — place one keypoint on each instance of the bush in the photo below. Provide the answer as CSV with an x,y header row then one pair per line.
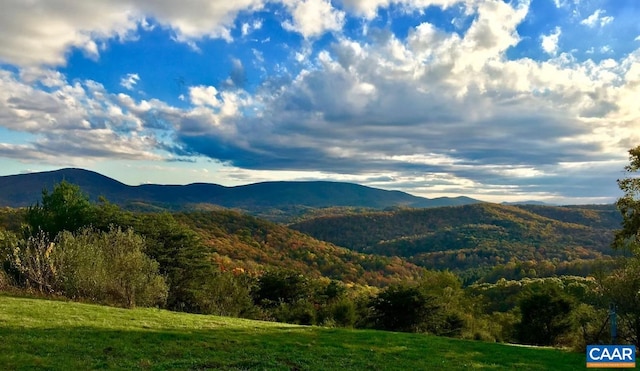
x,y
30,261
343,312
301,312
403,308
108,266
545,316
225,294
5,281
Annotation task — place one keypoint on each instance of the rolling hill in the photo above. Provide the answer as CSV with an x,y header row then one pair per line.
x,y
479,236
233,240
243,241
25,189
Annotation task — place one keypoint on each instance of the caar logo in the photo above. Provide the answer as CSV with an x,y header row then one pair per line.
x,y
611,356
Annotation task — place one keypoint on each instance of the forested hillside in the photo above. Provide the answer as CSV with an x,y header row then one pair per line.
x,y
243,241
477,238
238,241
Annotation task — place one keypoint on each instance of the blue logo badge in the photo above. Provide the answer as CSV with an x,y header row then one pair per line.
x,y
611,356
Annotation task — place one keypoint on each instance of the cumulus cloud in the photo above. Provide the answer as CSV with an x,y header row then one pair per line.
x,y
83,25
508,122
313,18
597,19
129,81
68,120
249,27
68,24
549,43
204,96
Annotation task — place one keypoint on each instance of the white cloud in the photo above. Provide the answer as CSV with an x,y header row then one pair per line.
x,y
129,81
597,19
249,27
87,26
437,111
494,29
47,77
77,24
369,8
71,121
204,96
312,18
400,106
549,42
41,32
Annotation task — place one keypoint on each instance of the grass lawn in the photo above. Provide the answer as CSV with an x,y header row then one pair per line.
x,y
36,333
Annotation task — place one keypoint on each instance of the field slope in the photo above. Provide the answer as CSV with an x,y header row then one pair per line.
x,y
60,335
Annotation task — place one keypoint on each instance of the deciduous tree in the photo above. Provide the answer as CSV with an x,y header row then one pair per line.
x,y
623,285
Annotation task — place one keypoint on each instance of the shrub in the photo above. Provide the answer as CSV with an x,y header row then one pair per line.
x,y
108,266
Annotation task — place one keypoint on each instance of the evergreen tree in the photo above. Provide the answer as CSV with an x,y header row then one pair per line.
x,y
66,208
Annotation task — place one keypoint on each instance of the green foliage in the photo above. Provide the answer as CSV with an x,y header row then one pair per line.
x,y
110,266
622,287
300,312
133,275
182,258
65,208
403,307
340,312
92,265
30,261
226,294
545,316
12,219
592,326
629,206
5,281
82,269
281,286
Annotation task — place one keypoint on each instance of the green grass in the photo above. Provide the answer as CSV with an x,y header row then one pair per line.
x,y
42,334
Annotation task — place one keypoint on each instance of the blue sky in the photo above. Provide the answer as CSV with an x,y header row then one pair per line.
x,y
497,100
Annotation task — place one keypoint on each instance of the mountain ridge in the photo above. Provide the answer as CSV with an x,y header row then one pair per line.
x,y
22,190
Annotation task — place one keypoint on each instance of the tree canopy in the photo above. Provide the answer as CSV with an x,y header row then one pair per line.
x,y
629,205
66,208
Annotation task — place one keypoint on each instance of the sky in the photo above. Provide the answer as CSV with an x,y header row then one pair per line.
x,y
497,100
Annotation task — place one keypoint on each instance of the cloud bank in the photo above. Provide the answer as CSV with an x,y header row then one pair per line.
x,y
432,110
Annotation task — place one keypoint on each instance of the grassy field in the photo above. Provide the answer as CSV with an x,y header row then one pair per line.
x,y
42,334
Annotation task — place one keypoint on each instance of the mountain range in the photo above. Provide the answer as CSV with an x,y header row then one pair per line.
x,y
349,232
25,189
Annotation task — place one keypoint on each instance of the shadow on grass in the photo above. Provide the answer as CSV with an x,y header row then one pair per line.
x,y
285,348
